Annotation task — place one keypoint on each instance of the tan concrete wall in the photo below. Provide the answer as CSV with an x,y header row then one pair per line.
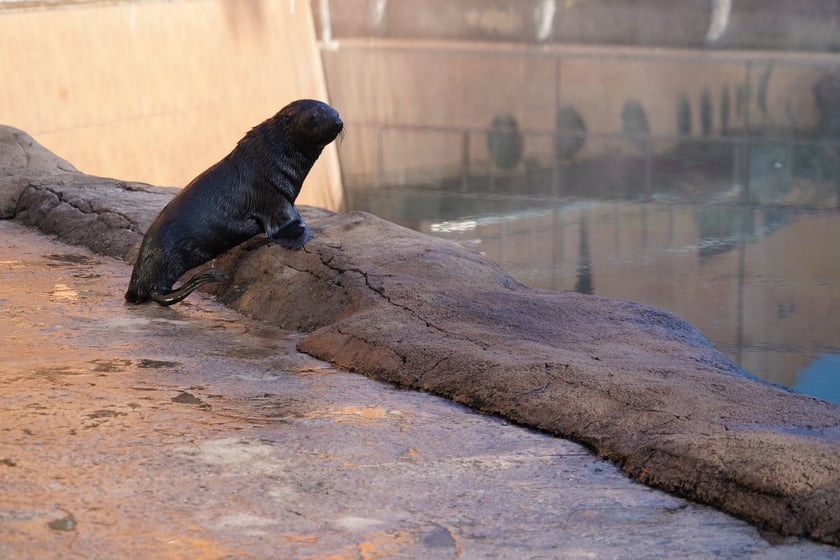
x,y
158,91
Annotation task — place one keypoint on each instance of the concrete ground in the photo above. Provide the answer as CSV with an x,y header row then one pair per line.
x,y
192,432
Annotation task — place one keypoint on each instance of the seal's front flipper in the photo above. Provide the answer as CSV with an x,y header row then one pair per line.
x,y
292,234
174,296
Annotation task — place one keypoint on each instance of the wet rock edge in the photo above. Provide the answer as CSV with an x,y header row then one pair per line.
x,y
638,385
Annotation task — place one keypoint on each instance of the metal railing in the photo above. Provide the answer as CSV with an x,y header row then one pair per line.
x,y
740,146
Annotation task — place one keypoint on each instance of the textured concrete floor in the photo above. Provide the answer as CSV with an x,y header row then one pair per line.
x,y
191,432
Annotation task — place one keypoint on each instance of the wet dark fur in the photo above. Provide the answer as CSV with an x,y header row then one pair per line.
x,y
252,190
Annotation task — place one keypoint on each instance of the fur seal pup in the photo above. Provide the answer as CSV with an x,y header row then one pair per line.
x,y
251,190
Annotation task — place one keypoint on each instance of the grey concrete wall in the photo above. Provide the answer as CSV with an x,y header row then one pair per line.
x,y
809,25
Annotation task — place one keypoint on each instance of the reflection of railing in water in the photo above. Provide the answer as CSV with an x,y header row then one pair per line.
x,y
746,153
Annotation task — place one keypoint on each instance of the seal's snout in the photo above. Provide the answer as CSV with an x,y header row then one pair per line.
x,y
333,119
337,125
328,117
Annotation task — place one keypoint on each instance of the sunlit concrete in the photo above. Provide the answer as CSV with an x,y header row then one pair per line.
x,y
192,432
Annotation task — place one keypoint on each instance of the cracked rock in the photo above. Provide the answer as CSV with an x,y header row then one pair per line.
x,y
638,385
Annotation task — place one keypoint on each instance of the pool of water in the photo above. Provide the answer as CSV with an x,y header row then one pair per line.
x,y
757,272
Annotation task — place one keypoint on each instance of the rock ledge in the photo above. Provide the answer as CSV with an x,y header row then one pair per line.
x,y
638,385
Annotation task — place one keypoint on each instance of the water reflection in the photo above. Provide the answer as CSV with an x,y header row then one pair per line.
x,y
735,236
701,176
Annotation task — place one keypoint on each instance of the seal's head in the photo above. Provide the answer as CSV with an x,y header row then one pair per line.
x,y
284,147
310,124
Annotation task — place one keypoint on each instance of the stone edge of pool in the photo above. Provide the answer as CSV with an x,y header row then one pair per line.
x,y
638,385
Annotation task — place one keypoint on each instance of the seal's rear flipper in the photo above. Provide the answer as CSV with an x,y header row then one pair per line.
x,y
174,296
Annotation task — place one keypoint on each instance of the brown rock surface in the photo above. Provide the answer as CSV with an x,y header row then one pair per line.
x,y
23,160
639,385
195,432
42,190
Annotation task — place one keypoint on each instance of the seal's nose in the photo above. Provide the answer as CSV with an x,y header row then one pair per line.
x,y
336,119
